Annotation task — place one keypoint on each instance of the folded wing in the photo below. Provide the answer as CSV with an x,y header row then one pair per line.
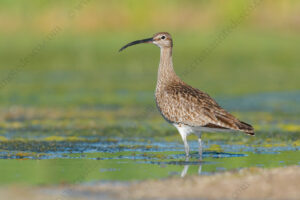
x,y
187,105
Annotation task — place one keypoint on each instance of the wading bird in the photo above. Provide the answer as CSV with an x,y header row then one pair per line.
x,y
188,109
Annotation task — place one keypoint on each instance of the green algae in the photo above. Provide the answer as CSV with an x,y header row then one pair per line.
x,y
215,147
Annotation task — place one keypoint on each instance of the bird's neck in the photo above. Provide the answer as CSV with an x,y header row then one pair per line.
x,y
166,73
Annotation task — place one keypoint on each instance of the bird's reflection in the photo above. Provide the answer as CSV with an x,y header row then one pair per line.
x,y
186,167
185,170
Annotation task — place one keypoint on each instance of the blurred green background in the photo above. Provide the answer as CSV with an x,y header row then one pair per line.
x,y
71,49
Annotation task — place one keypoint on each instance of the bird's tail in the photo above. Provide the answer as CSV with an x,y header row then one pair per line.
x,y
246,128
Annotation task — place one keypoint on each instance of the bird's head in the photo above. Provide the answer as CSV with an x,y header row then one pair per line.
x,y
161,39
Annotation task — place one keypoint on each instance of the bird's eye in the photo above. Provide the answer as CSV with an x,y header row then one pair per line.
x,y
163,37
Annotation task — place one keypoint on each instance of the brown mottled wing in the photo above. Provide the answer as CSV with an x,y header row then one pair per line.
x,y
185,104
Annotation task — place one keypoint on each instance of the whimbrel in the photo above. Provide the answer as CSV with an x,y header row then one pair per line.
x,y
190,110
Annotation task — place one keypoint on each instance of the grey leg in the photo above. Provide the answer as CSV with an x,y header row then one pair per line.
x,y
186,145
184,133
200,169
200,147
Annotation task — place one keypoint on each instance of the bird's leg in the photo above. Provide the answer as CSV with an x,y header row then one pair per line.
x,y
184,133
186,145
200,169
200,147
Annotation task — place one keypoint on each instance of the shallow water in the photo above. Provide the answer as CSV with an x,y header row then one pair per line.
x,y
86,145
123,160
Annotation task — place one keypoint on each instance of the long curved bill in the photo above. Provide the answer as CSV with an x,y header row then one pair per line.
x,y
148,40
